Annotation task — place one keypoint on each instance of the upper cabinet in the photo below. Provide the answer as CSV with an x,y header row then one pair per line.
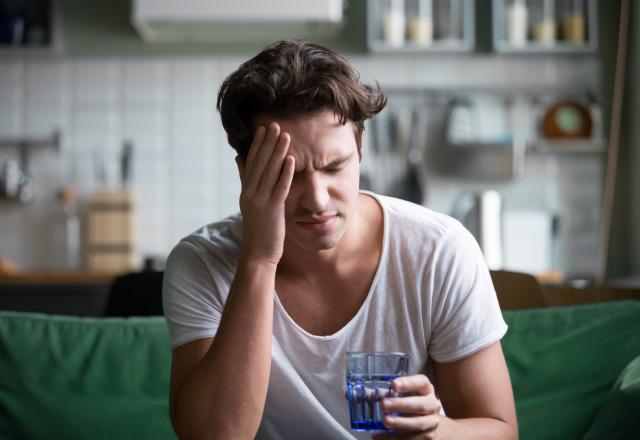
x,y
518,26
544,25
421,25
207,21
29,26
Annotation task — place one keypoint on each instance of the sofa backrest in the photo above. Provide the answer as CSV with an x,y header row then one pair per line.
x,y
563,362
94,378
83,378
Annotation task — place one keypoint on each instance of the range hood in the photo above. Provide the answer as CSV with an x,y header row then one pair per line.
x,y
214,21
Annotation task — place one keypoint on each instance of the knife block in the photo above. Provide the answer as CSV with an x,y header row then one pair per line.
x,y
111,232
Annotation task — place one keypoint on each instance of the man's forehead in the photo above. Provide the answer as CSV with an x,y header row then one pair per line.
x,y
304,120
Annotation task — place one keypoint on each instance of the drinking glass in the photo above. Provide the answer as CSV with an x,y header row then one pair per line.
x,y
369,376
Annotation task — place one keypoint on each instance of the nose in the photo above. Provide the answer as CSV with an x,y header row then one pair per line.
x,y
315,193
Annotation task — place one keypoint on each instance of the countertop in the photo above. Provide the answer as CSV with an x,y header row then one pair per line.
x,y
57,277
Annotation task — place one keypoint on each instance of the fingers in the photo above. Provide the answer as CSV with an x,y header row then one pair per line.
x,y
411,405
274,166
412,424
259,155
258,139
416,384
419,408
281,190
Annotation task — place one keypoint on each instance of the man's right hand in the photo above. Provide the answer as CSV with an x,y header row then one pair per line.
x,y
266,178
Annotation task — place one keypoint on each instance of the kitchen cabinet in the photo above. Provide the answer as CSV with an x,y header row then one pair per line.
x,y
30,28
518,26
544,26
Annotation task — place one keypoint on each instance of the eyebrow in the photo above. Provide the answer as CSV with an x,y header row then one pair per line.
x,y
333,163
338,161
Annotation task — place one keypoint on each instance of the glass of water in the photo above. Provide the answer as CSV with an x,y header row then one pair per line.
x,y
369,376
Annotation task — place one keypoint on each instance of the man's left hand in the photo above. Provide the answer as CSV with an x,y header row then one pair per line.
x,y
419,409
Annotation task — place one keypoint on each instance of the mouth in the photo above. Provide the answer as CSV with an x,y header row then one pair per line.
x,y
320,223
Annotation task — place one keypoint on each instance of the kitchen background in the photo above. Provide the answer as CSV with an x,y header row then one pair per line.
x,y
462,119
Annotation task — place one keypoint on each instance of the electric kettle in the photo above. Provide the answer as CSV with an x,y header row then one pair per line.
x,y
481,214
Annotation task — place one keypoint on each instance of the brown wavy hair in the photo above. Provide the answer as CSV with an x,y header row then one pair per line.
x,y
294,77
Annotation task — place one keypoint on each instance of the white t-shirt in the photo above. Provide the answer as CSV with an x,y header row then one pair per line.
x,y
431,297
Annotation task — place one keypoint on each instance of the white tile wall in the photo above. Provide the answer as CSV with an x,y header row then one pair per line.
x,y
165,107
96,82
183,170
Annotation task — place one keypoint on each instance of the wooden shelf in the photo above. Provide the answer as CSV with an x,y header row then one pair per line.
x,y
568,146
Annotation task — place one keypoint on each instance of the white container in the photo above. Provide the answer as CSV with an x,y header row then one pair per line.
x,y
544,22
420,22
517,23
393,22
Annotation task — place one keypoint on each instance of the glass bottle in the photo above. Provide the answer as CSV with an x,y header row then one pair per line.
x,y
516,22
544,23
420,22
69,200
449,20
393,22
573,22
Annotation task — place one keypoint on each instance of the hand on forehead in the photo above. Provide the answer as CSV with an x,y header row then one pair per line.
x,y
317,137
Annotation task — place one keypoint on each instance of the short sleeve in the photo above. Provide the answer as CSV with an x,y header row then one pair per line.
x,y
191,298
465,314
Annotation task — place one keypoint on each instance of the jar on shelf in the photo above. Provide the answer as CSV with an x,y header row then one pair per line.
x,y
516,18
420,22
393,22
449,16
543,18
573,21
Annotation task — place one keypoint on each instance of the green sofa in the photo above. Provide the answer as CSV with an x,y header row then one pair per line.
x,y
64,377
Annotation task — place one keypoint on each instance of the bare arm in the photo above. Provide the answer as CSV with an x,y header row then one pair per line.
x,y
477,396
475,392
218,388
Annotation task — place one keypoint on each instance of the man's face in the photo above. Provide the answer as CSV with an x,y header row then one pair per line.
x,y
324,191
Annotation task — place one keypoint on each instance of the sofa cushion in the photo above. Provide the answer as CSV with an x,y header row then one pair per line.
x,y
83,378
78,378
618,419
563,362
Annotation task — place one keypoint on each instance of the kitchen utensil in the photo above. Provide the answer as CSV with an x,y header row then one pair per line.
x,y
126,156
99,168
413,186
69,199
11,177
481,214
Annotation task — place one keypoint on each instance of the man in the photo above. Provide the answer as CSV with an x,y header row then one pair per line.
x,y
263,306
